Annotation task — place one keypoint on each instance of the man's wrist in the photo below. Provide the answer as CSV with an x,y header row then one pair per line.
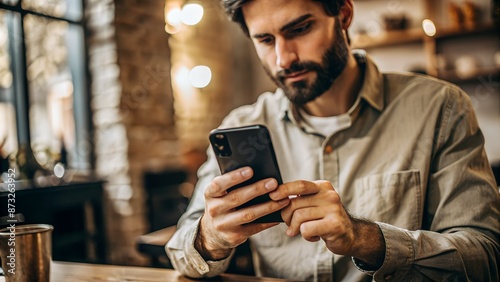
x,y
369,246
201,244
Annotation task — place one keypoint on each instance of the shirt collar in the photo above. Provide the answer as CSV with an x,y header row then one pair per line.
x,y
373,81
371,91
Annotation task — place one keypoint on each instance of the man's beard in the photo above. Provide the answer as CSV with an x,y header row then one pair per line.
x,y
333,63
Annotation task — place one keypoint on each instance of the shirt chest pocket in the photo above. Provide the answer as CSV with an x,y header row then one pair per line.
x,y
394,198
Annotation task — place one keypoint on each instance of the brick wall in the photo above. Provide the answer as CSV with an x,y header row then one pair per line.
x,y
132,60
132,111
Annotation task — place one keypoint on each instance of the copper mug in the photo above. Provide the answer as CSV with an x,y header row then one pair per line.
x,y
26,252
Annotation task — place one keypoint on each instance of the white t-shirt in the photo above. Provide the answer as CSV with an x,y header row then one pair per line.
x,y
326,125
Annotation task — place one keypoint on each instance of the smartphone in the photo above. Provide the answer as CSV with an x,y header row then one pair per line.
x,y
248,146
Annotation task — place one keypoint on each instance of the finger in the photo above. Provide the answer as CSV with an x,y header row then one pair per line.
x,y
242,195
218,187
299,203
327,227
231,236
312,230
299,187
249,214
304,215
254,228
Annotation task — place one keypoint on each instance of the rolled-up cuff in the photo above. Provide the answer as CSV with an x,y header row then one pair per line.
x,y
193,257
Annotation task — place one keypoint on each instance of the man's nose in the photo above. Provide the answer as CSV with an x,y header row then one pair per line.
x,y
286,53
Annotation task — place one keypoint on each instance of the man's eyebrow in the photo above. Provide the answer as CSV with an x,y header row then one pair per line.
x,y
295,22
286,26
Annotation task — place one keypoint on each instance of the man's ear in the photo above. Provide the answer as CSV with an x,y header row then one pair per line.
x,y
346,14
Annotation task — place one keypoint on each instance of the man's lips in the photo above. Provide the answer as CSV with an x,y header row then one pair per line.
x,y
296,76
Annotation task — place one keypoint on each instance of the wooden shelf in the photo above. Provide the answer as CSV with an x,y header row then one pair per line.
x,y
451,32
448,38
481,76
388,38
392,38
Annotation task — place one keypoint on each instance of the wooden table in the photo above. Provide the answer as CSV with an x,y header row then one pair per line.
x,y
80,272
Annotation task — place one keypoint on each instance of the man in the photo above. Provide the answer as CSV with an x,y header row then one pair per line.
x,y
406,190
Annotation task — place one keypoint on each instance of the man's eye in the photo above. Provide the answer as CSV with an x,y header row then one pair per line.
x,y
266,40
301,29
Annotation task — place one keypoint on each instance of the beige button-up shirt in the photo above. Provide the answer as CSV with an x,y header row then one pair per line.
x,y
410,158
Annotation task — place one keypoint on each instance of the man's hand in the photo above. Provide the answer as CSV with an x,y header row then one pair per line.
x,y
222,226
317,213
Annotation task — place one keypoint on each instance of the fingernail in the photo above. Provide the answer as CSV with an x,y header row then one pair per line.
x,y
284,202
246,172
271,184
289,232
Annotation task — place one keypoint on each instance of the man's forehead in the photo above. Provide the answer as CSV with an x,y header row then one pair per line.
x,y
262,15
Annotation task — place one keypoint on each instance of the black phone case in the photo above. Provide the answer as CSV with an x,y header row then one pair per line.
x,y
250,146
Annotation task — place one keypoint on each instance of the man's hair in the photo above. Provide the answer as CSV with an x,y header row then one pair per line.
x,y
233,10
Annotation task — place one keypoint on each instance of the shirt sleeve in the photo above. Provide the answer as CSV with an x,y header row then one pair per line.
x,y
459,238
180,249
188,260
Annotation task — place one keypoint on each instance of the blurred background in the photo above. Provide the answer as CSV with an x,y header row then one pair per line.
x,y
105,106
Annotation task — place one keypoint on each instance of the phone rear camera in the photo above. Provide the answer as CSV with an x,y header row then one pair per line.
x,y
221,145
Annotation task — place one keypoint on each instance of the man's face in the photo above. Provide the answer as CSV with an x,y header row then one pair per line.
x,y
300,46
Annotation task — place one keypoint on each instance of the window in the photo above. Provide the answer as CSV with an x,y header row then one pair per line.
x,y
44,98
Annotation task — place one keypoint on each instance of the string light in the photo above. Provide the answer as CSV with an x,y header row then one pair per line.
x,y
429,27
189,14
174,17
200,76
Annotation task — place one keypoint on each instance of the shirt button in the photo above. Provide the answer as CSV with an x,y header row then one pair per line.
x,y
328,149
202,267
